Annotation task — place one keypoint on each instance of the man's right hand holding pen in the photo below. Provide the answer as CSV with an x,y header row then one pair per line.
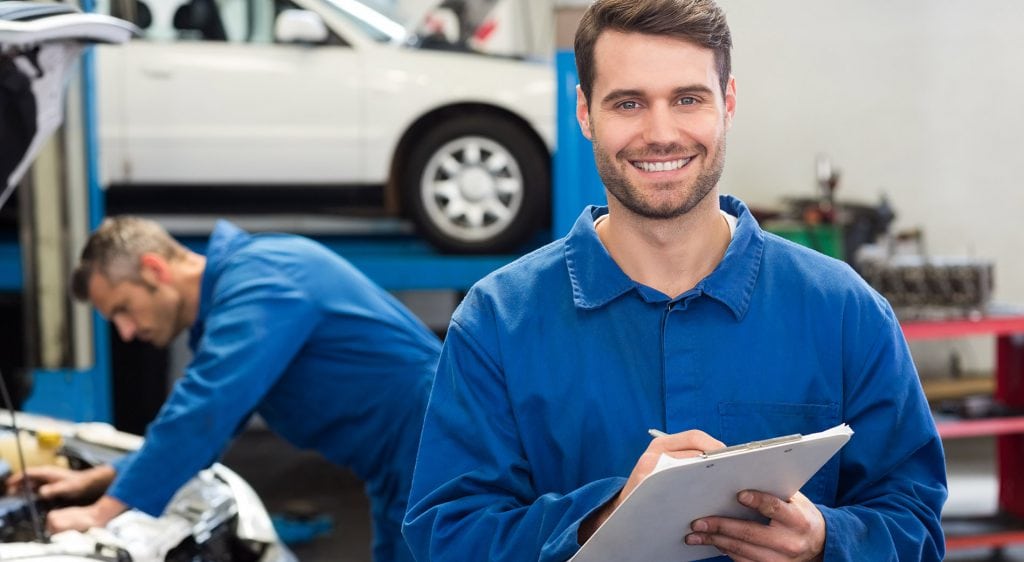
x,y
683,445
795,530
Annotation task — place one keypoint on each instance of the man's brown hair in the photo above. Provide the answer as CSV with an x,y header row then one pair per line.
x,y
701,22
115,250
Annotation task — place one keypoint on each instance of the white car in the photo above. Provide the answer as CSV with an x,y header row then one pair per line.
x,y
328,93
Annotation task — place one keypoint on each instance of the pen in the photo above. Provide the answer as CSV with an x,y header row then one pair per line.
x,y
657,433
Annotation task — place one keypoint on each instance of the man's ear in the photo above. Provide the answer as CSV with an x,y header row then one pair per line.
x,y
583,113
154,269
730,102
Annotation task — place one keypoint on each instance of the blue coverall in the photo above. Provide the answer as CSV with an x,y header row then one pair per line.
x,y
288,329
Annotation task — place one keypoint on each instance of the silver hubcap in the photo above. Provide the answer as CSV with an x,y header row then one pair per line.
x,y
472,188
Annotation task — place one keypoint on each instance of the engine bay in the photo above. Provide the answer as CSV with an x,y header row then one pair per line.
x,y
215,517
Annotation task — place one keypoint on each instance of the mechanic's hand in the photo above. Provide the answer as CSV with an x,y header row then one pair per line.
x,y
796,530
52,482
84,518
680,445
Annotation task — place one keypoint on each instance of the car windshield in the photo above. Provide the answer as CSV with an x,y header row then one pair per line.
x,y
380,21
376,19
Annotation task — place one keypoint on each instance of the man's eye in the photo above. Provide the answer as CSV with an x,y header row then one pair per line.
x,y
629,105
688,100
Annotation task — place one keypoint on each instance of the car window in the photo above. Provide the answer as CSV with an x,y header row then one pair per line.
x,y
233,21
372,18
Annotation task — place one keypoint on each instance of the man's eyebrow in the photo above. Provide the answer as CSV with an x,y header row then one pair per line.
x,y
695,89
621,94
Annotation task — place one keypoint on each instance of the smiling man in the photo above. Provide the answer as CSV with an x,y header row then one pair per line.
x,y
279,325
669,309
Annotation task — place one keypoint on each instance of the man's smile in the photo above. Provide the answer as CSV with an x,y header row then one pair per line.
x,y
660,165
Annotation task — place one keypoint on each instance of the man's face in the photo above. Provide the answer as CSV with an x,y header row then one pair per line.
x,y
148,309
658,122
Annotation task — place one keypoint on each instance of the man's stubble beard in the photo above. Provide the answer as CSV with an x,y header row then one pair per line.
x,y
173,321
632,198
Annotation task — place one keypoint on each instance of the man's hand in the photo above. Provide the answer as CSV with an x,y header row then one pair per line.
x,y
796,530
84,518
680,445
52,482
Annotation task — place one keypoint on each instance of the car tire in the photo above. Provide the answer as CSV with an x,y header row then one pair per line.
x,y
477,183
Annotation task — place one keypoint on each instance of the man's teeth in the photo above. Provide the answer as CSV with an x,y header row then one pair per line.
x,y
662,166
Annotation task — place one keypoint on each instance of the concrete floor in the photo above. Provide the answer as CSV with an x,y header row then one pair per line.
x,y
294,481
302,482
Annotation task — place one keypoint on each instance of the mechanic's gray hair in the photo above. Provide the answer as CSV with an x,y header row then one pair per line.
x,y
114,250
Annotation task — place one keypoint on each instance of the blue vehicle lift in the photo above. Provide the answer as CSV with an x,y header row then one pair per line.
x,y
394,262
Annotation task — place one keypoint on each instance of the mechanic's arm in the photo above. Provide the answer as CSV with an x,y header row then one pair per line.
x,y
892,481
472,495
259,325
56,482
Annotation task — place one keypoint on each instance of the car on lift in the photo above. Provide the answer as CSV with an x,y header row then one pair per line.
x,y
304,95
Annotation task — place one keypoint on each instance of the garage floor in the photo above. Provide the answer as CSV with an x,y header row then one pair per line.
x,y
294,481
301,482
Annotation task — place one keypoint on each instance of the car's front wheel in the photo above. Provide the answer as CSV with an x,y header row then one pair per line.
x,y
477,183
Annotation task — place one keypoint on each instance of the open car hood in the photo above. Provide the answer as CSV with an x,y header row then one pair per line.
x,y
39,46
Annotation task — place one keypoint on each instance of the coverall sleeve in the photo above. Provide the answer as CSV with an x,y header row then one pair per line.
x,y
472,495
255,328
892,481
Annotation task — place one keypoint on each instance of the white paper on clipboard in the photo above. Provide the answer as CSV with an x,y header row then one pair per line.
x,y
651,523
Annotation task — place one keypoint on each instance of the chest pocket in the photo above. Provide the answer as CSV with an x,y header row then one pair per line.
x,y
752,421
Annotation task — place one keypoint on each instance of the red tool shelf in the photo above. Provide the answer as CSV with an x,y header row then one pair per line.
x,y
1008,330
981,427
983,532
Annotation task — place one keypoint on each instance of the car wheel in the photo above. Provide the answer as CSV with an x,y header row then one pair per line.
x,y
477,184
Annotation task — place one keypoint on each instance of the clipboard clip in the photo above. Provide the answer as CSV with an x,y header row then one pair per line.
x,y
752,445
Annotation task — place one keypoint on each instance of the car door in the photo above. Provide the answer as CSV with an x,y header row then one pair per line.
x,y
209,97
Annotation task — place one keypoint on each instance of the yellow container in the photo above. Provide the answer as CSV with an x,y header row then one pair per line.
x,y
39,450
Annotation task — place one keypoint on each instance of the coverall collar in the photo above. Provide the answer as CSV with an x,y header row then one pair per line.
x,y
224,240
597,279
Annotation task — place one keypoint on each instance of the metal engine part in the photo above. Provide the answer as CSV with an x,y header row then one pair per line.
x,y
917,281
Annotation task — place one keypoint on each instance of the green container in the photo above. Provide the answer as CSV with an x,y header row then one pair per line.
x,y
825,238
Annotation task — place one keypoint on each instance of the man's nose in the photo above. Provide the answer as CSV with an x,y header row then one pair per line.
x,y
125,328
660,127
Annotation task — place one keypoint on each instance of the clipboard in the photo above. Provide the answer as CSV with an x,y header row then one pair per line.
x,y
652,521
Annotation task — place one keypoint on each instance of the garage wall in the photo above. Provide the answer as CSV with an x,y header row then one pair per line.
x,y
919,99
